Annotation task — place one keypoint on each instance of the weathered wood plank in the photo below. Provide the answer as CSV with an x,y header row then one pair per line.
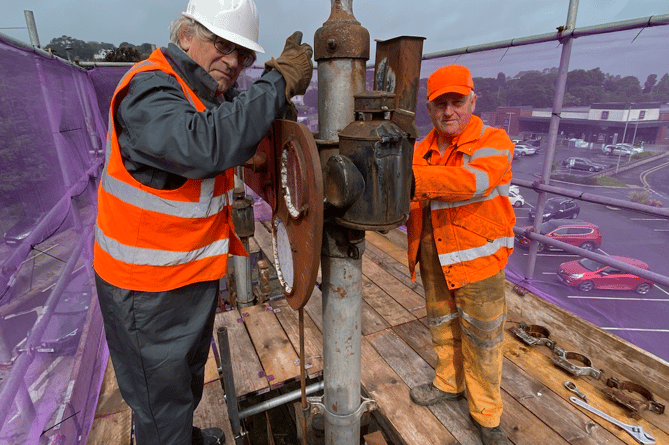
x,y
212,410
415,371
115,428
550,408
417,335
246,368
391,248
384,304
407,422
396,269
409,299
536,363
277,356
313,339
263,238
113,417
591,341
314,308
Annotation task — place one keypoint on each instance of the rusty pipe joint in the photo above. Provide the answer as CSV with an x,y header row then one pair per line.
x,y
341,37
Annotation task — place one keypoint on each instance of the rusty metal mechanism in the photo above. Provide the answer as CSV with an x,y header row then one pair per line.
x,y
286,173
533,335
563,359
378,151
242,214
399,74
341,36
618,392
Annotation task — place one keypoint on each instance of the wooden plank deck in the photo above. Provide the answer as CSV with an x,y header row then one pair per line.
x,y
397,355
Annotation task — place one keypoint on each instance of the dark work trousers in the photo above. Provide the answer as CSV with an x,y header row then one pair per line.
x,y
159,343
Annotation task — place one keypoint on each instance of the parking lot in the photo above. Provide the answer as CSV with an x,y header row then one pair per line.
x,y
639,319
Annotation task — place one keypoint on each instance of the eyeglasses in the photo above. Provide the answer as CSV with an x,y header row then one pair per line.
x,y
245,56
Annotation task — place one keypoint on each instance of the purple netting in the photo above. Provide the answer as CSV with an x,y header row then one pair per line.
x,y
52,357
104,81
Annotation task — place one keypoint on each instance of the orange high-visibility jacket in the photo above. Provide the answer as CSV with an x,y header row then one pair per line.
x,y
157,240
468,192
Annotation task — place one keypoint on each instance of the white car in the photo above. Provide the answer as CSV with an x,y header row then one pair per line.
x,y
522,150
516,198
621,149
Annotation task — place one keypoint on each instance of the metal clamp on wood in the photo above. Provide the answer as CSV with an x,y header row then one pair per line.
x,y
615,391
533,335
562,359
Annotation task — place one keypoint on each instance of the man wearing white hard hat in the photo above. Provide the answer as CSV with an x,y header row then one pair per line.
x,y
177,127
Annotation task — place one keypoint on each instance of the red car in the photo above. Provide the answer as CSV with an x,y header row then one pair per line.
x,y
587,274
571,231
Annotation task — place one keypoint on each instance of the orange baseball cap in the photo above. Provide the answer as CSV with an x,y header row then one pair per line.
x,y
449,79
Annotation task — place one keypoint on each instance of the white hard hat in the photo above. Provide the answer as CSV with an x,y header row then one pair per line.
x,y
233,20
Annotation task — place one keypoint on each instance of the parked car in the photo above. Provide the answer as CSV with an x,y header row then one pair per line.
x,y
578,143
21,229
583,164
523,150
558,208
571,231
621,149
516,198
587,274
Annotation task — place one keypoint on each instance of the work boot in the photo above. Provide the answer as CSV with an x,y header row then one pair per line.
x,y
208,436
492,436
428,394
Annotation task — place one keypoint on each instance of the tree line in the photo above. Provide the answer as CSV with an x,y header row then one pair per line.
x,y
86,51
584,87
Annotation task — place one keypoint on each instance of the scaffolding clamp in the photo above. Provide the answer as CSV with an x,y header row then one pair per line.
x,y
563,359
618,392
367,405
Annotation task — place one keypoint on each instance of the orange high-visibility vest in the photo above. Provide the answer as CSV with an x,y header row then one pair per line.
x,y
157,240
468,193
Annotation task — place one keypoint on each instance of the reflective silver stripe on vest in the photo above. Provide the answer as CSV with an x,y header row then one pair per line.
x,y
500,190
442,320
487,249
482,180
490,152
148,201
153,257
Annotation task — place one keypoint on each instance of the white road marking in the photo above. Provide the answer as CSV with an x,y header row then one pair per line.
x,y
581,297
634,329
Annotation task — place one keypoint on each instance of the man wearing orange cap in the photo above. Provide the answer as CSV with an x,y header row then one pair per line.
x,y
460,232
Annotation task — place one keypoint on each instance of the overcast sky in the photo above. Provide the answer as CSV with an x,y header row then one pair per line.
x,y
445,24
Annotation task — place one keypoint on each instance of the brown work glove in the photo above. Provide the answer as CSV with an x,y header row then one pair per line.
x,y
294,64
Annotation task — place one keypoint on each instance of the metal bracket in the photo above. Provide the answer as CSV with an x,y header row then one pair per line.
x,y
334,419
533,335
562,359
615,390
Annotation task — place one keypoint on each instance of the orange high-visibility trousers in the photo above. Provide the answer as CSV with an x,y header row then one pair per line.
x,y
467,326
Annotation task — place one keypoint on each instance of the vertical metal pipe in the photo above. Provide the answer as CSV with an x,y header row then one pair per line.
x,y
32,28
229,383
553,128
303,379
338,81
341,49
342,315
242,264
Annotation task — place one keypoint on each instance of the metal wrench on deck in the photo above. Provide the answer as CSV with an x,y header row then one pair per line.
x,y
635,431
571,386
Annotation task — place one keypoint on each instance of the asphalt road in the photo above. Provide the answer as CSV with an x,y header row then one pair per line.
x,y
640,319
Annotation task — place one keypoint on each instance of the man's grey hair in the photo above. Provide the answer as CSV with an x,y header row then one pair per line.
x,y
186,26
